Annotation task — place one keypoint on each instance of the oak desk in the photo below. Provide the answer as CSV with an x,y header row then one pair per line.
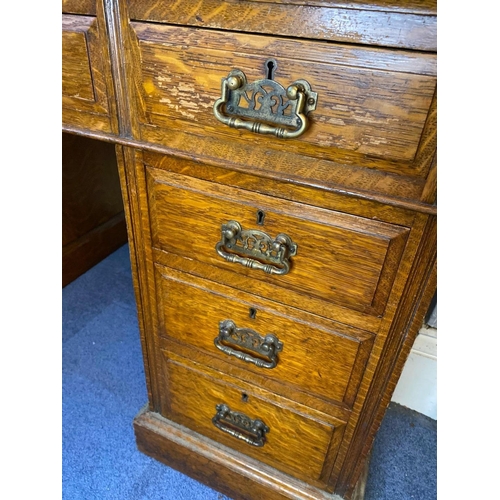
x,y
277,162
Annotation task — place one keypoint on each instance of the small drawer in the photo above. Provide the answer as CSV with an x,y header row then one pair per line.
x,y
258,336
295,254
273,430
370,112
87,90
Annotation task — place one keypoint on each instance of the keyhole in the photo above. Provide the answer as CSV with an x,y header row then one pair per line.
x,y
252,313
244,397
271,66
260,217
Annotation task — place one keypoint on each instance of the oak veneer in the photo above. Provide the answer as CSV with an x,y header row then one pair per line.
x,y
191,305
408,24
87,86
357,257
356,193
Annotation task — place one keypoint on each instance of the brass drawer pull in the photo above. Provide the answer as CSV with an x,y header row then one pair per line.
x,y
265,105
240,426
248,339
252,246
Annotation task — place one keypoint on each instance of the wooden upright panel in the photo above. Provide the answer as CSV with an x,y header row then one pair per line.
x,y
93,222
87,87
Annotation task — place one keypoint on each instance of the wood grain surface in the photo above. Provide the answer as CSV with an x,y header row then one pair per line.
x,y
404,24
299,440
87,88
314,359
79,7
93,223
356,192
372,104
340,258
358,187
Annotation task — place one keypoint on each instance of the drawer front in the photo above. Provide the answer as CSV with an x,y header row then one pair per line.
x,y
341,259
374,108
404,24
86,75
289,437
302,355
87,7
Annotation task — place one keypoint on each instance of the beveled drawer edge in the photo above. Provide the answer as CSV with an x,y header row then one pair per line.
x,y
405,204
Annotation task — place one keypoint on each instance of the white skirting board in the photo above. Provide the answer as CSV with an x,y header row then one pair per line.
x,y
417,387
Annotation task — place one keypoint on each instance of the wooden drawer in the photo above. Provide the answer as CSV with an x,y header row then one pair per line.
x,y
88,7
299,441
412,24
87,90
374,120
340,259
308,355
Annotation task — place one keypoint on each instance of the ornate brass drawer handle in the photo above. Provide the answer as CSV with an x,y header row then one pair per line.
x,y
240,426
255,249
248,339
264,106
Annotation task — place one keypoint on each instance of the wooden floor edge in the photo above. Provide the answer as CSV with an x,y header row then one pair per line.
x,y
226,471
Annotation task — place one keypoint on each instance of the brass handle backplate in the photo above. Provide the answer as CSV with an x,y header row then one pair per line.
x,y
255,249
248,339
264,106
240,426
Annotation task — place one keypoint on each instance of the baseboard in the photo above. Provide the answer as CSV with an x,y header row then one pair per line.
x,y
417,387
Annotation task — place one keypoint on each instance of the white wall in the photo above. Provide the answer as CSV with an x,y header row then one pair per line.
x,y
417,387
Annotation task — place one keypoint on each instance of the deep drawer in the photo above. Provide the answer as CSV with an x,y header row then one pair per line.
x,y
340,259
234,327
289,437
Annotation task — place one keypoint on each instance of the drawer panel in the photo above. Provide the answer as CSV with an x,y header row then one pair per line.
x,y
342,259
79,7
407,24
375,107
76,76
299,441
312,357
86,75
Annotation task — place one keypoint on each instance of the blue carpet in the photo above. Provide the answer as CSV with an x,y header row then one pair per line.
x,y
104,388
